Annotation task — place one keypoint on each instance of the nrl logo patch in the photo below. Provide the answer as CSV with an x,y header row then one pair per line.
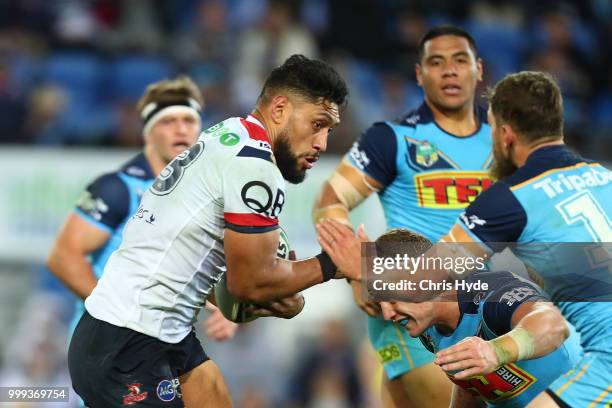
x,y
426,154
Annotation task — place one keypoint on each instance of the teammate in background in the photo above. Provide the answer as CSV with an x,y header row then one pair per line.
x,y
170,110
213,210
546,194
426,168
477,322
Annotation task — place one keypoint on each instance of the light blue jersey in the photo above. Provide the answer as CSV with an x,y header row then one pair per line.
x,y
429,177
557,207
108,203
489,315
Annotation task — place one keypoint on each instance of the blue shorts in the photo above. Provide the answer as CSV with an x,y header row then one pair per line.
x,y
397,351
588,384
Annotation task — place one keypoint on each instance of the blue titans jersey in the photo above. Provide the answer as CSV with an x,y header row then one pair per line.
x,y
556,197
429,175
489,315
108,203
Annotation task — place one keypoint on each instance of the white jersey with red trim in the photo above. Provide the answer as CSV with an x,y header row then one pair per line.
x,y
172,250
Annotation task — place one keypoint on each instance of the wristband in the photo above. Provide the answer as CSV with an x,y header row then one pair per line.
x,y
328,268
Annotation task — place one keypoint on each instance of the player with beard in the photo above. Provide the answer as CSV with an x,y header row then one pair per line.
x,y
426,168
170,111
510,307
212,211
554,197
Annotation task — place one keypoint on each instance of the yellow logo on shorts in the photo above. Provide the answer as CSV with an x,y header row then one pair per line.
x,y
389,353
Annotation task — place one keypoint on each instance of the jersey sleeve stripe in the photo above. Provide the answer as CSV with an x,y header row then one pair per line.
x,y
255,131
92,221
249,151
250,229
249,220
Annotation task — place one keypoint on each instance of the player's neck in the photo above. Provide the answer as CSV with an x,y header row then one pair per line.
x,y
155,161
267,124
460,122
447,317
522,152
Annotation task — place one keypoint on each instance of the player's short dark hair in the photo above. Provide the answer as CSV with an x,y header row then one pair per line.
x,y
530,102
401,241
446,29
310,78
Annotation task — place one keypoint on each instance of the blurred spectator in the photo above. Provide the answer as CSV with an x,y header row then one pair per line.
x,y
12,106
326,376
36,354
208,40
226,45
46,104
266,46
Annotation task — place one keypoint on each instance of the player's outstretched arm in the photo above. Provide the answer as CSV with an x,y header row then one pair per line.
x,y
256,275
216,326
346,188
538,328
68,257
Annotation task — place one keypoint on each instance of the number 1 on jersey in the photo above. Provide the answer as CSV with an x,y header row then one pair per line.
x,y
583,207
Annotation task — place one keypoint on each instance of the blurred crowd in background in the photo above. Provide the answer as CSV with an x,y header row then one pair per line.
x,y
71,70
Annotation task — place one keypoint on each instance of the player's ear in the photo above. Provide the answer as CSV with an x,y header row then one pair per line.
x,y
479,69
418,73
509,136
279,108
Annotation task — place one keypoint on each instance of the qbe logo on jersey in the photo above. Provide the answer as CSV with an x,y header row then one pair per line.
x,y
450,189
167,390
259,197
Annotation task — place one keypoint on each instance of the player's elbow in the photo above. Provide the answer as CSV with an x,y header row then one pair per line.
x,y
245,291
556,330
54,260
559,330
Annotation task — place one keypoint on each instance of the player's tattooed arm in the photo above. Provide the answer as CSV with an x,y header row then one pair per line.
x,y
256,275
68,257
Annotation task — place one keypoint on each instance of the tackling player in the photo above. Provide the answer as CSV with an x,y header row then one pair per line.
x,y
426,168
213,210
465,333
546,194
170,111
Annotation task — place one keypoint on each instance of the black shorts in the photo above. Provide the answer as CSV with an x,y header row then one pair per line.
x,y
114,366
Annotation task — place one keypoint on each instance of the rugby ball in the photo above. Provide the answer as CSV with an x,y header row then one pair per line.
x,y
232,308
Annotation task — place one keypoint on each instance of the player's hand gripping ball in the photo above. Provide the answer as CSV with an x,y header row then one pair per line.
x,y
238,311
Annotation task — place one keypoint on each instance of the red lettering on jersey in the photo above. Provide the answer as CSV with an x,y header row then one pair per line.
x,y
439,189
506,382
450,189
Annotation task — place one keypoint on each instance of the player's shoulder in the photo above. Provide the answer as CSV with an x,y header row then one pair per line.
x,y
421,115
501,283
543,160
243,138
137,167
108,183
